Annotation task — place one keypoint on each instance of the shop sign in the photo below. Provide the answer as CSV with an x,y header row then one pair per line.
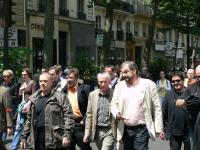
x,y
12,37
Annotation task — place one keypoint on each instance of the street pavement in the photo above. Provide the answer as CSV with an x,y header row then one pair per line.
x,y
153,145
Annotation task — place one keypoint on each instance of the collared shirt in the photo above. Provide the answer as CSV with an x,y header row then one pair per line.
x,y
73,98
103,110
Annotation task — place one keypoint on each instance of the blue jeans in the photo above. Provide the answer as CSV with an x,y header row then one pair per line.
x,y
4,136
18,131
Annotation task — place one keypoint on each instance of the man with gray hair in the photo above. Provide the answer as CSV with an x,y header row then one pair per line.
x,y
99,120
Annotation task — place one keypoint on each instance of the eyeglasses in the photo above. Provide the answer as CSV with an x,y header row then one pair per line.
x,y
174,81
6,76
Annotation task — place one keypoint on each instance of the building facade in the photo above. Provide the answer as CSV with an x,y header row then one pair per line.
x,y
130,29
74,32
78,33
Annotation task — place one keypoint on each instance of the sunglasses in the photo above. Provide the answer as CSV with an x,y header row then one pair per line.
x,y
6,76
174,81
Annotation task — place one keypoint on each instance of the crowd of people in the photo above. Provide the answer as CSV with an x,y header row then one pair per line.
x,y
59,111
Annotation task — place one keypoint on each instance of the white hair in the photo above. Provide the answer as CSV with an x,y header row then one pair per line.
x,y
104,74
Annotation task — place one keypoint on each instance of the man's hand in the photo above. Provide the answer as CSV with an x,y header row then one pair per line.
x,y
23,145
180,103
66,142
119,116
9,131
162,135
85,139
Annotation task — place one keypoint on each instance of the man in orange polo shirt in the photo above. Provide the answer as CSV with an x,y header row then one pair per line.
x,y
78,93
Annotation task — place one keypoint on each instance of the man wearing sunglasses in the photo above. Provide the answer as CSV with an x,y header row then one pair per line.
x,y
192,94
175,119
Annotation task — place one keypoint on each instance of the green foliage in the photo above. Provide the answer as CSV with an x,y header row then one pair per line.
x,y
157,65
180,14
18,58
87,68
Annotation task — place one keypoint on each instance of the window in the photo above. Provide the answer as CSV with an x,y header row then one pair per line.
x,y
128,27
21,38
144,29
98,22
41,7
165,36
136,28
63,8
80,6
170,36
119,25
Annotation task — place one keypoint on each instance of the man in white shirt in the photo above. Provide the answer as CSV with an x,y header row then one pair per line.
x,y
136,106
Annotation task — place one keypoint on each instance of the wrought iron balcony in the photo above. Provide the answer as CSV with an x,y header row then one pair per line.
x,y
119,5
81,15
129,36
64,12
120,35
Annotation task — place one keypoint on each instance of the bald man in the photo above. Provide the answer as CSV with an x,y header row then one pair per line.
x,y
190,78
192,93
51,113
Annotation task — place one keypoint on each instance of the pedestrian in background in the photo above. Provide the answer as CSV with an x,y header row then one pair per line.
x,y
28,87
175,119
111,70
8,77
190,80
99,121
49,119
163,85
135,104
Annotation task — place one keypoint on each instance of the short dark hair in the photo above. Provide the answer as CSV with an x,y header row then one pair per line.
x,y
75,71
54,68
110,66
177,73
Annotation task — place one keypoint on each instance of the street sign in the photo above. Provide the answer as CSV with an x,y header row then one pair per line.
x,y
99,39
168,46
12,37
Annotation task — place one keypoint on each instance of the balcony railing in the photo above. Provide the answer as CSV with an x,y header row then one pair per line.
x,y
81,15
129,36
141,9
124,6
120,5
63,12
120,35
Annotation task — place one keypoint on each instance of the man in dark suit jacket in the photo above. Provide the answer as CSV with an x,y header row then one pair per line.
x,y
78,93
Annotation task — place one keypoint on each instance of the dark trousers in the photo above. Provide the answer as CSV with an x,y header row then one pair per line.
x,y
40,139
176,142
2,146
77,138
135,138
